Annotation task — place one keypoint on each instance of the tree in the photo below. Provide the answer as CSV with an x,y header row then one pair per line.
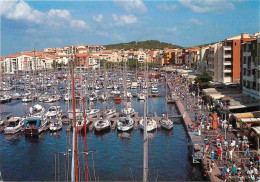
x,y
204,80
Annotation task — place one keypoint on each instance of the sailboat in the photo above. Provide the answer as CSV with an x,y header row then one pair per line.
x,y
56,125
128,111
145,137
53,112
125,123
151,124
166,123
110,113
102,124
37,110
107,112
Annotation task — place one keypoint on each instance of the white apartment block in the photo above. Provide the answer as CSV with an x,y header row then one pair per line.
x,y
202,59
17,63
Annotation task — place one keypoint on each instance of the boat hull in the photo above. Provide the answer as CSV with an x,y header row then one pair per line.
x,y
32,132
103,128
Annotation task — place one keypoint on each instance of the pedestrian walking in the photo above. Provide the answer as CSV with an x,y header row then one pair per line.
x,y
247,149
212,154
234,169
230,152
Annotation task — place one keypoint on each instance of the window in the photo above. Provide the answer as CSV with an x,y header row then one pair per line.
x,y
244,59
228,74
244,71
248,72
235,44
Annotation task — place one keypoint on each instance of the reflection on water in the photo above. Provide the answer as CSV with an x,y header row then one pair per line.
x,y
125,135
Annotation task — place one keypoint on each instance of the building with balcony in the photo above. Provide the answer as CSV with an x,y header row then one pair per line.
x,y
251,68
231,60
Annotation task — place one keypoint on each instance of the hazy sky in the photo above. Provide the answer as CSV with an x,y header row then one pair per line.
x,y
26,25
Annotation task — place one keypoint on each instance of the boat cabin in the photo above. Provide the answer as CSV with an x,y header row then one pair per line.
x,y
32,123
13,122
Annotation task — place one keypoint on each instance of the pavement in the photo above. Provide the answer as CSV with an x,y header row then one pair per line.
x,y
188,104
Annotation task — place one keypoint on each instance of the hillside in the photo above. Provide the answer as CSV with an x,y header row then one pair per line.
x,y
205,45
148,44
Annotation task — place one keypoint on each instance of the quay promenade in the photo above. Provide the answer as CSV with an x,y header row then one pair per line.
x,y
231,164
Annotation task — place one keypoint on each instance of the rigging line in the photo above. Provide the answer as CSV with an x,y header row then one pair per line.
x,y
132,173
65,170
55,165
94,167
58,168
83,169
157,175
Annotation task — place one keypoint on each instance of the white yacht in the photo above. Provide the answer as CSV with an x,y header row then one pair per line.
x,y
128,111
53,112
92,113
166,124
141,96
110,113
5,98
56,125
102,124
14,125
78,113
125,123
151,124
37,110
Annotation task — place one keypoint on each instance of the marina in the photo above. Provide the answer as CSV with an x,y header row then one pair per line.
x,y
130,90
112,141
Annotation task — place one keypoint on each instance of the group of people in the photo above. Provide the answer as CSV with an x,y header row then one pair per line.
x,y
221,150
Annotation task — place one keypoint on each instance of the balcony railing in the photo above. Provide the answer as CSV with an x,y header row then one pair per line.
x,y
227,47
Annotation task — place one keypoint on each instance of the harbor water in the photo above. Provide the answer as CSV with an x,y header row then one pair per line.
x,y
115,156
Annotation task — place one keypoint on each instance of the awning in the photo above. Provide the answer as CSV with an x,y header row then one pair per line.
x,y
250,120
13,120
256,129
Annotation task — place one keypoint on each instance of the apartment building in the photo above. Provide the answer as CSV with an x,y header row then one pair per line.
x,y
223,62
16,62
231,57
251,68
87,60
203,57
192,56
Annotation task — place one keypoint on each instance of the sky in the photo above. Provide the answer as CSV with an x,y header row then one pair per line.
x,y
28,25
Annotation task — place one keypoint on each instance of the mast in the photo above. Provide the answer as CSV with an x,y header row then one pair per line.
x,y
85,129
125,84
145,144
105,85
166,96
35,68
75,151
30,82
88,84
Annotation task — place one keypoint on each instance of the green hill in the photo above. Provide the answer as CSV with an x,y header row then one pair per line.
x,y
148,44
204,45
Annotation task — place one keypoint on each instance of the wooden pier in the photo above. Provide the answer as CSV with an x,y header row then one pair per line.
x,y
175,116
136,120
93,121
171,101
